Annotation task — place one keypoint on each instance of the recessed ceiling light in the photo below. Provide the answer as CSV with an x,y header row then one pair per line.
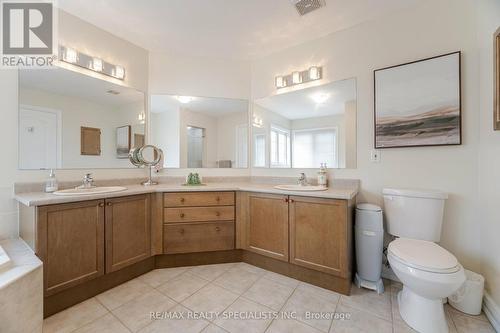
x,y
320,98
185,99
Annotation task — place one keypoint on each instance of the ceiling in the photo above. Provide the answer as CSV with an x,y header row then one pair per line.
x,y
300,104
73,84
214,107
237,29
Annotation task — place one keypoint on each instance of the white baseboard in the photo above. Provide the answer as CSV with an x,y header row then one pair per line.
x,y
492,311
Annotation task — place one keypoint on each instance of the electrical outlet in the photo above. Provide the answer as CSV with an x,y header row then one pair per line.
x,y
375,156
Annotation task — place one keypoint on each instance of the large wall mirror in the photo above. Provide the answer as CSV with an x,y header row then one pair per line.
x,y
305,128
70,120
200,132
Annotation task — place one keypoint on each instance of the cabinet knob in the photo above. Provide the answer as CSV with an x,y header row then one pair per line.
x,y
181,231
286,199
182,199
181,215
217,213
109,204
217,229
292,201
101,204
217,199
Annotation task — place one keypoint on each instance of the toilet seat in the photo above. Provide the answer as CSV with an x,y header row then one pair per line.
x,y
423,255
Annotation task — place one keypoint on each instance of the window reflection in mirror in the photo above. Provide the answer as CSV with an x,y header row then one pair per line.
x,y
307,127
58,107
200,132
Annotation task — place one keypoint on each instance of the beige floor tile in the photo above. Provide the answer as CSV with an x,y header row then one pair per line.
x,y
210,298
136,313
210,272
182,286
451,310
245,316
359,322
290,326
212,328
282,279
250,268
106,324
187,324
303,303
468,324
237,279
120,295
157,277
269,293
74,317
329,295
369,301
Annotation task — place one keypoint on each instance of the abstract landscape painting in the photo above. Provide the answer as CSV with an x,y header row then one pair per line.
x,y
418,104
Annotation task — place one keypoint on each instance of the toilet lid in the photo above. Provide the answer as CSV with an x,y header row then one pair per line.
x,y
423,255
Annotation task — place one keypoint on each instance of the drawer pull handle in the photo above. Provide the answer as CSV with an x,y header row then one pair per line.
x,y
182,215
217,229
218,199
217,213
182,199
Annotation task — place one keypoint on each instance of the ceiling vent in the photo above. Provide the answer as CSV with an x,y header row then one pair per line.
x,y
307,6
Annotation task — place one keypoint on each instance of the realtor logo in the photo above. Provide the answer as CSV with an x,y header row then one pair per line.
x,y
27,28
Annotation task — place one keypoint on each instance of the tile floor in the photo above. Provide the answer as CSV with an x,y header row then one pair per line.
x,y
239,293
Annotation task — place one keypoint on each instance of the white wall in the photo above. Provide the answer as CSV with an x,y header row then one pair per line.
x,y
488,216
165,134
432,28
91,40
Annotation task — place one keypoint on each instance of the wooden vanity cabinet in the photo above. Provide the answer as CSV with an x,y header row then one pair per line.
x,y
80,241
70,243
128,231
319,234
267,225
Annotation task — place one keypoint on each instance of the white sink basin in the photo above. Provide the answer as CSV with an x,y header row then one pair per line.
x,y
301,188
90,191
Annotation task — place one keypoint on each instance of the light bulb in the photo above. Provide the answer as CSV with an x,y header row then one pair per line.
x,y
119,72
296,78
70,55
314,73
280,82
97,64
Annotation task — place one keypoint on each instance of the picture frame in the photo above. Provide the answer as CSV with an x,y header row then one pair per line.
x,y
123,141
496,75
418,104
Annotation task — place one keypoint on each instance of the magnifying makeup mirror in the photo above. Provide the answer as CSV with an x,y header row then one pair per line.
x,y
148,156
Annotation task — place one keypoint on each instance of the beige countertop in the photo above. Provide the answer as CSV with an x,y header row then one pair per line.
x,y
345,190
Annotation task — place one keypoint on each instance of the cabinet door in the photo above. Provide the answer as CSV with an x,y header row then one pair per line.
x,y
70,242
128,231
319,235
267,225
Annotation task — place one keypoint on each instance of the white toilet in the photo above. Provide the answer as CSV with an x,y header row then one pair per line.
x,y
428,272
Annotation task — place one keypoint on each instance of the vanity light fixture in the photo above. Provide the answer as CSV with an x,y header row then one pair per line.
x,y
72,56
298,77
185,99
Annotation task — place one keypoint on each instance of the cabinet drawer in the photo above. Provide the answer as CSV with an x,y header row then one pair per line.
x,y
198,237
198,214
194,199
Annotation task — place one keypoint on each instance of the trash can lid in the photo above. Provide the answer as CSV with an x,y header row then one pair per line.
x,y
369,207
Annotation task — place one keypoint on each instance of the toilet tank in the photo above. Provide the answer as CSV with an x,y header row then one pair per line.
x,y
416,214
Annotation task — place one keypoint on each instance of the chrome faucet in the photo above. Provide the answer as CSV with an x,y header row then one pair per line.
x,y
302,180
88,181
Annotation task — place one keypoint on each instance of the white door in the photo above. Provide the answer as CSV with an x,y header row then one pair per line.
x,y
39,146
242,146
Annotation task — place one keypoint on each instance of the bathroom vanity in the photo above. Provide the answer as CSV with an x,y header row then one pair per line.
x,y
92,243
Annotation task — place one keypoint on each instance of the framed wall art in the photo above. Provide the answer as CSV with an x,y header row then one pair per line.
x,y
419,103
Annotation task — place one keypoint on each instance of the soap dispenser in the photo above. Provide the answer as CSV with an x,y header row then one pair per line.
x,y
51,183
323,176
